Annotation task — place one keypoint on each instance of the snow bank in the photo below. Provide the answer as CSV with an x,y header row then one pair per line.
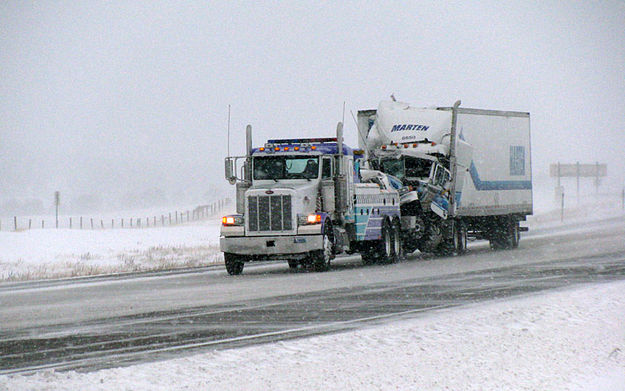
x,y
570,339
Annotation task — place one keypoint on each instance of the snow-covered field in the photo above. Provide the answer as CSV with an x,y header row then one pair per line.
x,y
52,253
571,339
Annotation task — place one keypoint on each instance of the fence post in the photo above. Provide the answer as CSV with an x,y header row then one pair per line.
x,y
15,223
562,208
169,218
112,223
42,224
30,222
80,222
70,223
122,223
102,224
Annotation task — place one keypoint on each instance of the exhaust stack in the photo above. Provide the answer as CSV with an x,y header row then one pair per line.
x,y
248,140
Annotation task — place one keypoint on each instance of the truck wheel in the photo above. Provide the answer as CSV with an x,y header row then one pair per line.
x,y
397,245
450,243
431,240
234,264
382,250
321,258
388,252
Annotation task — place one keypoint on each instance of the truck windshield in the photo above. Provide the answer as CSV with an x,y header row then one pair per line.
x,y
418,168
407,167
286,167
394,167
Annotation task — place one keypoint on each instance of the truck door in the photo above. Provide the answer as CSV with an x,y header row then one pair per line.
x,y
439,186
327,184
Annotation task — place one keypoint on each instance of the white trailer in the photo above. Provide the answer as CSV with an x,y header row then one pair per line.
x,y
470,170
499,176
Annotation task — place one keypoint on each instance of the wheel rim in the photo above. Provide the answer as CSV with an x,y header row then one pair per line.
x,y
387,243
327,250
396,242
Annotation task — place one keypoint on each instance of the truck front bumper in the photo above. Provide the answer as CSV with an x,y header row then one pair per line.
x,y
271,247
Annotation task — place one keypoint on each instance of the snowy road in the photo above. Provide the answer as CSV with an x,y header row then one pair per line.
x,y
99,322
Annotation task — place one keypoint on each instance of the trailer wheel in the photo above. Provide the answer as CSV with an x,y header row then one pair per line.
x,y
462,238
514,234
234,264
507,239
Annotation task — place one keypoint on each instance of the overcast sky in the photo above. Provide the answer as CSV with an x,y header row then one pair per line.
x,y
113,97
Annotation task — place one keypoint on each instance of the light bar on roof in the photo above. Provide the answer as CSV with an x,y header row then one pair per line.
x,y
302,140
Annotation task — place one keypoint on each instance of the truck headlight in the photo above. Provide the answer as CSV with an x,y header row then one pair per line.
x,y
309,219
232,220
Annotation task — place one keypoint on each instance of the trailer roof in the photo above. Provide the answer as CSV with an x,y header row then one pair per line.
x,y
498,113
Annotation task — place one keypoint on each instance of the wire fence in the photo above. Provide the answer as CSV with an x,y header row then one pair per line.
x,y
176,217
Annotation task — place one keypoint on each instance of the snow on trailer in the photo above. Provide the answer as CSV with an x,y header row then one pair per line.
x,y
302,200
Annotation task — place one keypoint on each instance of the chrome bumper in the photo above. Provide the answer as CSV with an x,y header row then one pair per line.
x,y
270,245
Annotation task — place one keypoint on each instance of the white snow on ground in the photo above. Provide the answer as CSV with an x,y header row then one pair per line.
x,y
52,253
571,339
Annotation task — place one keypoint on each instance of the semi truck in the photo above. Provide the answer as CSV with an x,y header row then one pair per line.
x,y
304,200
463,173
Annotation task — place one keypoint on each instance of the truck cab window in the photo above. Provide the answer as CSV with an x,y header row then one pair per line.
x,y
326,168
394,167
439,176
418,168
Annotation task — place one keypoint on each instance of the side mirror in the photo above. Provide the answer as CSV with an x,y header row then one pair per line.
x,y
230,171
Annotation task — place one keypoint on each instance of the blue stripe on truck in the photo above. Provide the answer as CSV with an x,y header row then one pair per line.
x,y
497,185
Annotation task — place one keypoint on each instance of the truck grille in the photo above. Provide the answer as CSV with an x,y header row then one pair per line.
x,y
270,213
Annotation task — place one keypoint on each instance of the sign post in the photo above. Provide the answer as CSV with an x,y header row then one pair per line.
x,y
57,201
